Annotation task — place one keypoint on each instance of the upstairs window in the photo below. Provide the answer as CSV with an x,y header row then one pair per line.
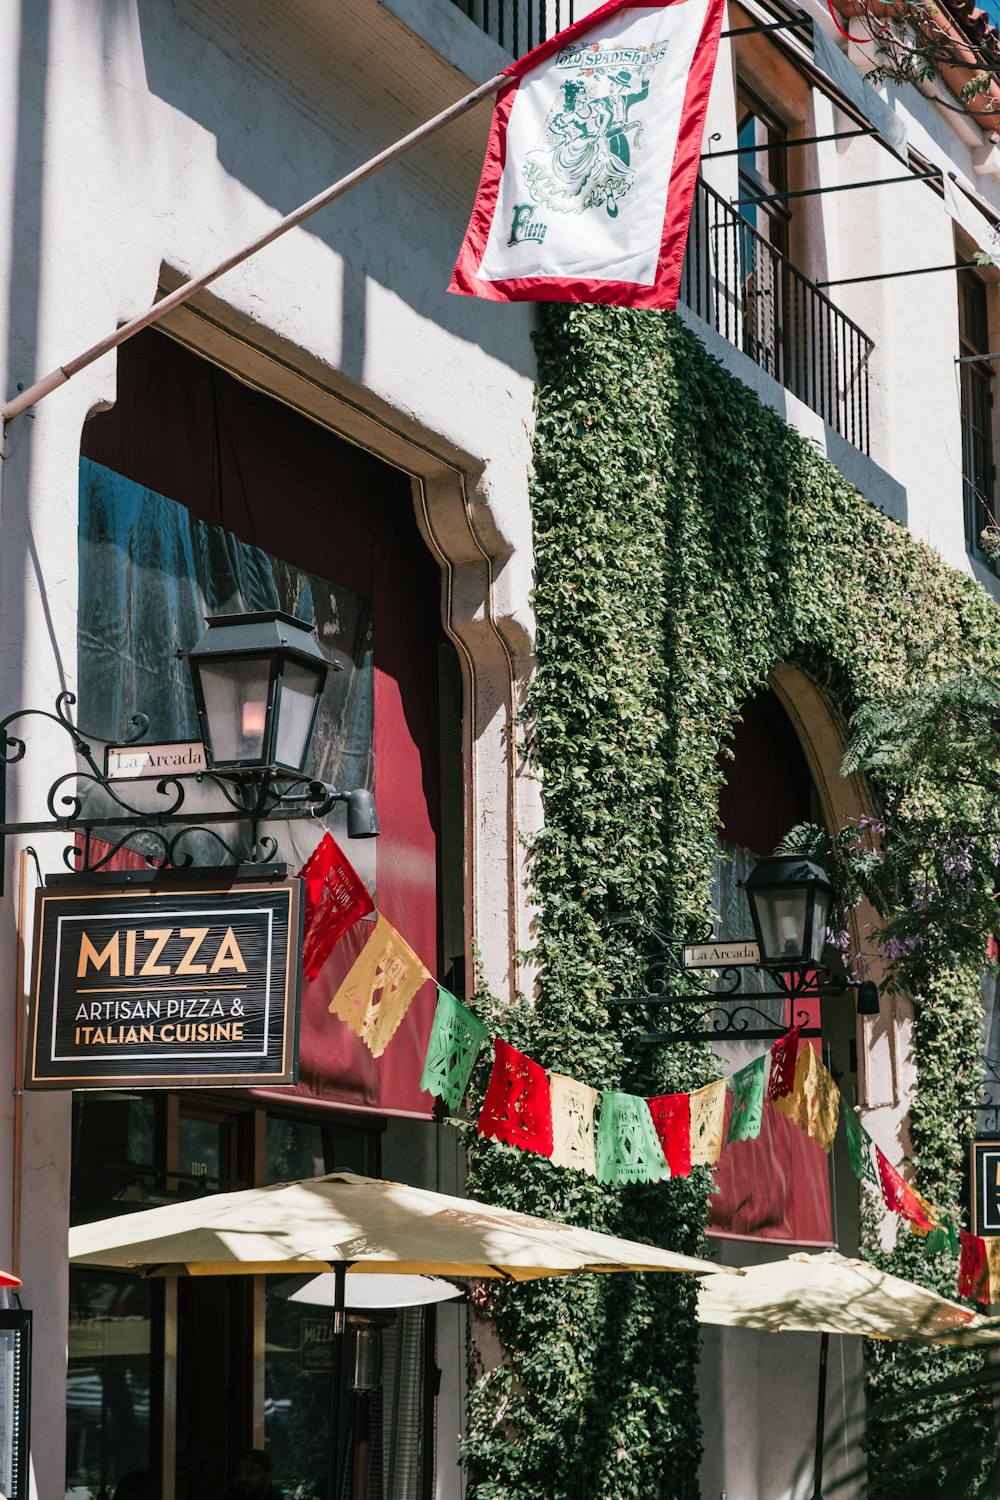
x,y
763,166
763,229
976,382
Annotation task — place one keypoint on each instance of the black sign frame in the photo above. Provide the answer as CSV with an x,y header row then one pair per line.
x,y
984,1154
235,1026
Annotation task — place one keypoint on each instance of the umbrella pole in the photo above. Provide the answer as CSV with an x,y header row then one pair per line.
x,y
337,1459
824,1350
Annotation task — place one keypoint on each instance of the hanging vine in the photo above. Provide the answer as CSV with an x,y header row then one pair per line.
x,y
687,542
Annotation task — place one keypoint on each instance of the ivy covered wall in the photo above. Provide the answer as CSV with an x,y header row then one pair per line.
x,y
687,542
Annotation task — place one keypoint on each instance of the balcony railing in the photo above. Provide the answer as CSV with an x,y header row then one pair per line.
x,y
746,290
518,25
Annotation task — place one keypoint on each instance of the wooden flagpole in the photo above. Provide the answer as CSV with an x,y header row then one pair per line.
x,y
41,388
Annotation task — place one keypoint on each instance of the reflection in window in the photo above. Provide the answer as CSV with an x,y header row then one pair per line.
x,y
108,1431
150,572
762,160
762,173
298,1394
114,1155
732,866
386,1431
208,1152
299,1148
108,1428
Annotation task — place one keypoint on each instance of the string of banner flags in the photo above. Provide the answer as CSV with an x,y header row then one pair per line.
x,y
612,1136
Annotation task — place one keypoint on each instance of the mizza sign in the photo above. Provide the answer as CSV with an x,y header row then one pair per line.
x,y
178,987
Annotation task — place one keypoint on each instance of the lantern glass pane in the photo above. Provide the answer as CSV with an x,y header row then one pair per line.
x,y
298,690
782,918
235,691
820,923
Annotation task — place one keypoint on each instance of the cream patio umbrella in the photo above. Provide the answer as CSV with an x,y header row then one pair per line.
x,y
344,1223
830,1293
362,1223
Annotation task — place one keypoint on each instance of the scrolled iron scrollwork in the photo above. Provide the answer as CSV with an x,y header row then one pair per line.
x,y
730,1024
728,982
17,746
262,851
663,969
726,1009
82,860
988,1104
166,852
87,804
166,786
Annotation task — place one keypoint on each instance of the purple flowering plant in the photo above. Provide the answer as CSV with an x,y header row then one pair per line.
x,y
926,859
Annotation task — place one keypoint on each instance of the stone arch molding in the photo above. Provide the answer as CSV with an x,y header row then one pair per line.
x,y
885,1075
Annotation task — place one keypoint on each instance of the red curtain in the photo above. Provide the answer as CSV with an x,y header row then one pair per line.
x,y
776,1187
773,1188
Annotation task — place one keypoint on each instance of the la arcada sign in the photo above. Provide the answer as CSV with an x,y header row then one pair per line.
x,y
186,985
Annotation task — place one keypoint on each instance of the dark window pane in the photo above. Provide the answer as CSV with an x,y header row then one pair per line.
x,y
298,1393
204,1154
150,571
108,1384
976,384
384,1399
114,1155
306,1148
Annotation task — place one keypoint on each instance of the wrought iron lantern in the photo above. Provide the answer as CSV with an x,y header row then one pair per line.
x,y
789,898
258,679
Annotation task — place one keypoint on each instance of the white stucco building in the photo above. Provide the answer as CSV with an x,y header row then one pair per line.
x,y
143,141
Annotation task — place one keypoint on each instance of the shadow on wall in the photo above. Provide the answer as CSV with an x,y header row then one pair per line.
x,y
285,141
22,566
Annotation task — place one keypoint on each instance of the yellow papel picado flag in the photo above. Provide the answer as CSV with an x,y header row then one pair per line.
x,y
376,994
708,1115
814,1103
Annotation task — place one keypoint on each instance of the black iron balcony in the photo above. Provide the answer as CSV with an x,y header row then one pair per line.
x,y
749,292
518,25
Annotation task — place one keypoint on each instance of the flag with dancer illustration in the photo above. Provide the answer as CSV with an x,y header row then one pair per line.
x,y
590,171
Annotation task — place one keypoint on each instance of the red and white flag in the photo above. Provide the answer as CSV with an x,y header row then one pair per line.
x,y
590,171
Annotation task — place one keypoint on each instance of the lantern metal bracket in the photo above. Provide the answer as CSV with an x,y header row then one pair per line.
x,y
262,795
727,1011
988,1103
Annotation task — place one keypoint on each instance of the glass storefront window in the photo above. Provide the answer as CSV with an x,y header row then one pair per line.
x,y
298,1368
298,1392
207,1153
109,1381
114,1155
305,1148
387,1456
133,1151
